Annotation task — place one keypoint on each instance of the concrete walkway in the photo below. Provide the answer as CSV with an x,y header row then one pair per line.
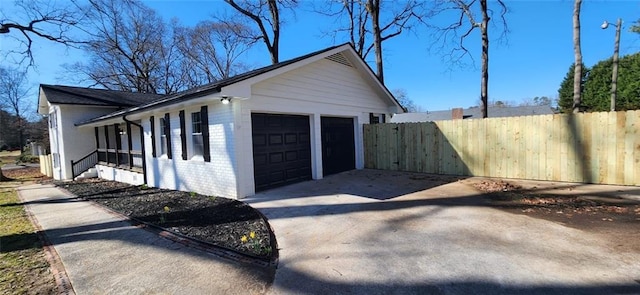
x,y
385,232
102,253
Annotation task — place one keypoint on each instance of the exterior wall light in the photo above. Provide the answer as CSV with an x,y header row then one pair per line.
x,y
225,100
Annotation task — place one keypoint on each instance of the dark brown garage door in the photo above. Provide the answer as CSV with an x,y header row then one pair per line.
x,y
281,150
338,145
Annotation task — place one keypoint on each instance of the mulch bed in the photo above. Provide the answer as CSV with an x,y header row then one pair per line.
x,y
227,223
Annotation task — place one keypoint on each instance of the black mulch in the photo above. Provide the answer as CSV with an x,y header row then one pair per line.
x,y
220,221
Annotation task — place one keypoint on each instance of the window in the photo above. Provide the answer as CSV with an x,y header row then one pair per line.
x,y
163,137
376,118
196,134
53,120
56,160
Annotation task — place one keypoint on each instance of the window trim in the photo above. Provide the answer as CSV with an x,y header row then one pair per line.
x,y
53,120
193,134
165,134
55,158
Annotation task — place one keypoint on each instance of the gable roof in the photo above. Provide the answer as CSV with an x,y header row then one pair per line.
x,y
216,87
473,113
59,94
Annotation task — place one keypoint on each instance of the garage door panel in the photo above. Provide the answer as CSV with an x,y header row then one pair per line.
x,y
291,138
259,140
277,178
275,158
260,159
281,149
291,156
275,139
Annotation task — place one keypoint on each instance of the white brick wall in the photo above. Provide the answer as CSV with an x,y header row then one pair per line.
x,y
111,173
216,178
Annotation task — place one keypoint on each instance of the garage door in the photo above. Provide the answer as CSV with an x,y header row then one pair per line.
x,y
281,150
338,145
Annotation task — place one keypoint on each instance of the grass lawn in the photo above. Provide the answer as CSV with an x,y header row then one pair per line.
x,y
23,267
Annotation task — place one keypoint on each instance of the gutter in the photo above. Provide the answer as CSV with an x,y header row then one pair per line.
x,y
144,158
167,100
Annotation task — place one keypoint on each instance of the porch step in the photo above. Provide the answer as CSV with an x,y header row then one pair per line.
x,y
91,173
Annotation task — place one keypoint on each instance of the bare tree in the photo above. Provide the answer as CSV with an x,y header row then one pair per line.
x,y
357,23
368,23
577,51
211,50
130,49
461,29
13,94
38,19
405,101
265,15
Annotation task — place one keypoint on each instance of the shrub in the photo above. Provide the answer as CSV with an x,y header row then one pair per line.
x,y
27,158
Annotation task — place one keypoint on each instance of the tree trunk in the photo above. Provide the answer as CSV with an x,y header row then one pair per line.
x,y
577,74
21,133
274,48
373,6
484,96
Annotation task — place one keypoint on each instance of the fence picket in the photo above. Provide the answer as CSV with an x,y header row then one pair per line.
x,y
589,147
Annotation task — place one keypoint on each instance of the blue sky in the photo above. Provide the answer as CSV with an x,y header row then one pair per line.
x,y
532,62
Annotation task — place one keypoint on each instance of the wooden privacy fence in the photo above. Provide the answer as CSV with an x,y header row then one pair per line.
x,y
589,147
45,165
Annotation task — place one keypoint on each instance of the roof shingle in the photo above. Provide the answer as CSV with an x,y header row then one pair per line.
x,y
59,94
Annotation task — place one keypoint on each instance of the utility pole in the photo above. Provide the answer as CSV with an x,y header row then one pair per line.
x,y
614,72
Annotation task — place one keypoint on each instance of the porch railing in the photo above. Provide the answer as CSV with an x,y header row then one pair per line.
x,y
82,165
121,158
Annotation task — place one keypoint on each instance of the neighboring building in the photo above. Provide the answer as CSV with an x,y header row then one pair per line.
x,y
293,121
472,113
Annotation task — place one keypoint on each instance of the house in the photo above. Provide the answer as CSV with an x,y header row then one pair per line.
x,y
472,113
293,121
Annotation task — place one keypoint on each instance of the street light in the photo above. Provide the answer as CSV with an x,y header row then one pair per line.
x,y
614,74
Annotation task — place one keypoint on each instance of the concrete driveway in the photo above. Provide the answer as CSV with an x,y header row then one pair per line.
x,y
384,232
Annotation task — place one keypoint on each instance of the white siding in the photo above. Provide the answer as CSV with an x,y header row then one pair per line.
x,y
216,178
70,141
322,88
324,84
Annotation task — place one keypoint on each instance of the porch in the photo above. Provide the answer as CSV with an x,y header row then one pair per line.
x,y
118,153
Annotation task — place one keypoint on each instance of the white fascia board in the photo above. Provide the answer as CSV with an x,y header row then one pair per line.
x,y
279,71
43,103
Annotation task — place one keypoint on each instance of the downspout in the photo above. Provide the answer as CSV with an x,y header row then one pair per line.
x,y
144,158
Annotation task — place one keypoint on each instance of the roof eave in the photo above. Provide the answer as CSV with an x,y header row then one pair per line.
x,y
171,100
